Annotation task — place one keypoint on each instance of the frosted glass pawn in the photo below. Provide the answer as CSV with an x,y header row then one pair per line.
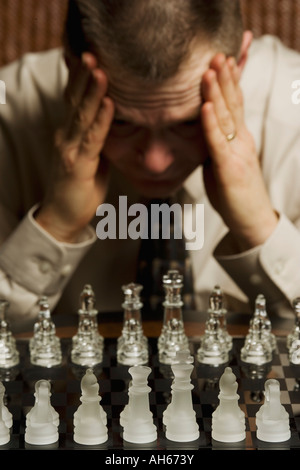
x,y
43,391
87,344
138,420
132,345
6,415
41,422
293,339
44,346
180,417
9,355
172,337
90,419
228,420
5,420
272,419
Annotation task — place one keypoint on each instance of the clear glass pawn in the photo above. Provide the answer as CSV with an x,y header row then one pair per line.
x,y
87,344
256,349
9,355
216,343
293,339
217,309
172,337
295,333
213,350
44,346
261,312
132,345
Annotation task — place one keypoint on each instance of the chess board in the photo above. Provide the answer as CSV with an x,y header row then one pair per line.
x,y
114,379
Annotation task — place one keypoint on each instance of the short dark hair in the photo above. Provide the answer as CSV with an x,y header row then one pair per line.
x,y
151,38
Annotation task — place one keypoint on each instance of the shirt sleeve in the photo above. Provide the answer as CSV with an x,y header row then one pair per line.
x,y
33,263
271,269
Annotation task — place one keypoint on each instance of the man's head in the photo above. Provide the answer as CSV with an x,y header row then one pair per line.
x,y
150,39
154,54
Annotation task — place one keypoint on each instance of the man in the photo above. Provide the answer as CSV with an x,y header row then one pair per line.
x,y
150,104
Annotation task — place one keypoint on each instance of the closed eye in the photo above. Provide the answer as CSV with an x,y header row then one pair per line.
x,y
187,129
120,122
123,128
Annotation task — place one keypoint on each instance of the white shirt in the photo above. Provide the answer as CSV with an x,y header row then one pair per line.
x,y
33,264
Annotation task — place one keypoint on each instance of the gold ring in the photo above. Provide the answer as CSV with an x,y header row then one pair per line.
x,y
230,137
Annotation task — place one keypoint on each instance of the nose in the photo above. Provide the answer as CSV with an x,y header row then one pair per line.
x,y
157,157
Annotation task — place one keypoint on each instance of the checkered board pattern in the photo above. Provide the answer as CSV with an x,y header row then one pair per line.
x,y
114,379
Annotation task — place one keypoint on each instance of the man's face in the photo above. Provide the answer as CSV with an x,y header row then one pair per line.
x,y
156,139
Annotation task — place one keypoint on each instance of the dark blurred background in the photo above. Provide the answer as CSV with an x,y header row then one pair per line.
x,y
37,25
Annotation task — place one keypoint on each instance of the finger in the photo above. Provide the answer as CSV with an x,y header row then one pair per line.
x,y
236,76
87,110
87,160
95,137
79,75
212,93
235,71
230,90
215,138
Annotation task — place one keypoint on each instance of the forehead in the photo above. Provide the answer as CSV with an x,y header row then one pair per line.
x,y
175,99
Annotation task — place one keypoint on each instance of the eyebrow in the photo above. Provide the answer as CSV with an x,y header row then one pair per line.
x,y
192,116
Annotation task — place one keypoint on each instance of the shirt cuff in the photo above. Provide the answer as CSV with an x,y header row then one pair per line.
x,y
271,269
39,263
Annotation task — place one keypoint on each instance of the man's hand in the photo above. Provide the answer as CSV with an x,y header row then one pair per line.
x,y
232,173
80,176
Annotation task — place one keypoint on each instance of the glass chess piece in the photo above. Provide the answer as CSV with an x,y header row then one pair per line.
x,y
295,333
6,414
137,418
5,419
217,309
42,421
272,419
132,345
87,344
213,350
261,312
183,358
293,338
42,396
44,346
256,349
9,355
260,342
228,420
172,337
180,417
216,343
90,419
